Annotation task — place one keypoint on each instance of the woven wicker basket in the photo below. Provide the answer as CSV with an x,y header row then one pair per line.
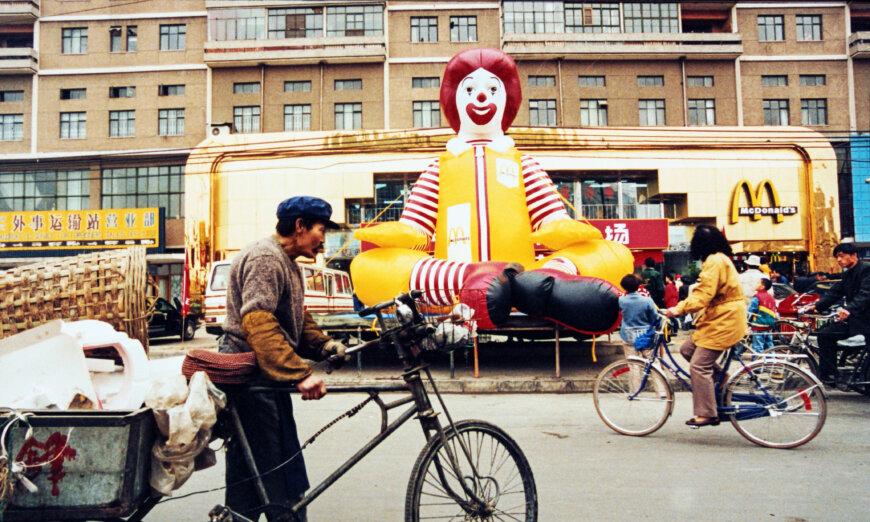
x,y
109,286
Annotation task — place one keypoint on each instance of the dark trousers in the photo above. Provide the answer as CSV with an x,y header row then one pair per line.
x,y
828,336
267,419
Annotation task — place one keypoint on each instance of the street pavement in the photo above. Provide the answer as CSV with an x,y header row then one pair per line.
x,y
584,471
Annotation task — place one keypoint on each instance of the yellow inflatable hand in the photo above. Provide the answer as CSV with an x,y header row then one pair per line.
x,y
563,233
393,234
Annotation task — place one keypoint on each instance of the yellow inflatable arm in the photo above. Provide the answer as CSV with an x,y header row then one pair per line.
x,y
563,233
393,234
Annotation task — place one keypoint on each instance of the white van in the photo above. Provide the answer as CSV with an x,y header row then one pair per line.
x,y
327,291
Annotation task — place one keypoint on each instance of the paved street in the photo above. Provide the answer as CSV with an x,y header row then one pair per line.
x,y
584,471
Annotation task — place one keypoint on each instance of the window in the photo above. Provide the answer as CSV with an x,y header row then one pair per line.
x,y
170,90
774,80
297,86
429,82
11,127
45,190
591,81
173,37
542,113
463,28
122,92
651,112
246,88
11,96
424,29
122,124
348,85
115,44
813,80
247,119
74,40
348,116
814,111
542,81
426,114
593,113
170,122
699,81
775,112
132,38
702,112
809,28
138,187
73,126
651,17
533,17
591,17
238,24
770,28
353,20
297,117
301,22
73,94
650,81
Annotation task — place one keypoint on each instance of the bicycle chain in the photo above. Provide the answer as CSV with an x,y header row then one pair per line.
x,y
348,414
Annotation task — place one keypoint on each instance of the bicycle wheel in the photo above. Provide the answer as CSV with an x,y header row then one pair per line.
x,y
807,362
778,404
626,408
489,463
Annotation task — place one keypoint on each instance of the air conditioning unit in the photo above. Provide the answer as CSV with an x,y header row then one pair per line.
x,y
220,129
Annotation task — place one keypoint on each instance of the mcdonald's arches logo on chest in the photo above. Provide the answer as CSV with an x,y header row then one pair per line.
x,y
753,208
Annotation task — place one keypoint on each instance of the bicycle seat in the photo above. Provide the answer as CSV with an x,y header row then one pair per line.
x,y
856,341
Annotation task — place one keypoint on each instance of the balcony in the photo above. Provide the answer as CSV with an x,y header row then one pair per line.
x,y
18,11
624,46
18,60
859,45
296,51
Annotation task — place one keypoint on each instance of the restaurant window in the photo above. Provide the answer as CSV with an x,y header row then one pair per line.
x,y
593,113
355,20
348,116
297,117
702,112
651,112
246,119
424,29
775,112
426,114
770,28
585,17
45,190
651,17
140,187
814,111
542,113
299,22
463,28
11,127
73,125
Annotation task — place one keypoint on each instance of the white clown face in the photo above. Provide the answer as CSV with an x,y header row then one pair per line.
x,y
481,100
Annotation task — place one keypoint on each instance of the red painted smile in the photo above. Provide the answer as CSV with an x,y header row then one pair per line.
x,y
480,115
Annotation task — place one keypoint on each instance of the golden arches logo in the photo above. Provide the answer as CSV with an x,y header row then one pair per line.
x,y
754,209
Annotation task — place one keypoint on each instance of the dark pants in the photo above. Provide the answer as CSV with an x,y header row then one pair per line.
x,y
828,336
268,422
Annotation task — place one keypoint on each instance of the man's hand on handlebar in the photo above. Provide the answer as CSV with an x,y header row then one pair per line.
x,y
842,314
336,353
311,388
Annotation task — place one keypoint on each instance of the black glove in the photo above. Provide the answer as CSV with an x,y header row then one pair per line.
x,y
335,352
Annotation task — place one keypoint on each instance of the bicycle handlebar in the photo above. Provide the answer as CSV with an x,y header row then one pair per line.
x,y
413,294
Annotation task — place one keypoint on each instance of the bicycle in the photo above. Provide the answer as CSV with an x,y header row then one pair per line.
x,y
769,401
467,470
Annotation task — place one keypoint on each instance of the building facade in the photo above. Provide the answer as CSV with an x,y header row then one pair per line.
x,y
101,102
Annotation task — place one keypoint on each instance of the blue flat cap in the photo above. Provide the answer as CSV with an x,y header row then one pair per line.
x,y
307,206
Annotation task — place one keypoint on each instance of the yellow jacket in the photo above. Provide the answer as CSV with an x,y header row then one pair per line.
x,y
720,305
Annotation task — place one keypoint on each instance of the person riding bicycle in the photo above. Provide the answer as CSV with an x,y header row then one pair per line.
x,y
853,318
762,316
720,321
265,315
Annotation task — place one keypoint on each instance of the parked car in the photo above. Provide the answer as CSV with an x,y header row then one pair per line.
x,y
167,321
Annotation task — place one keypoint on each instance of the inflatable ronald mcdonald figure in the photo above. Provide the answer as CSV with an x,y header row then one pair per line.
x,y
487,205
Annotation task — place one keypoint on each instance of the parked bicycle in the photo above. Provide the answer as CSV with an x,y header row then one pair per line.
x,y
769,401
468,469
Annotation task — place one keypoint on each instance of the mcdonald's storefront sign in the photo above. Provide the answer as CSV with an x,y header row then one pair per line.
x,y
754,208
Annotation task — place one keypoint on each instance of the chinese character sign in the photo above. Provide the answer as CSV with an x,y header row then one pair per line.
x,y
79,229
617,232
635,233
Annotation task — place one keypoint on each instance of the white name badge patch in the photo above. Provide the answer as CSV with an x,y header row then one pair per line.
x,y
507,172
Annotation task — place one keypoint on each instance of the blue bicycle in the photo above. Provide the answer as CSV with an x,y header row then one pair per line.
x,y
769,400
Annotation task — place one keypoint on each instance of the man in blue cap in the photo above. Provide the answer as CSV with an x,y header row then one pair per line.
x,y
265,315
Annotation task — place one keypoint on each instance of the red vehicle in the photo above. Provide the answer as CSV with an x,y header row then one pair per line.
x,y
791,301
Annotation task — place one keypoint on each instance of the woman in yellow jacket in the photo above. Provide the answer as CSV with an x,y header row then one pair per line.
x,y
720,322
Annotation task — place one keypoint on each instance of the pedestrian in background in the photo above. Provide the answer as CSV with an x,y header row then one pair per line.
x,y
720,321
653,282
750,277
672,297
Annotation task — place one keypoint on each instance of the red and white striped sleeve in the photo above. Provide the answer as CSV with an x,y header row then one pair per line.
x,y
421,210
542,200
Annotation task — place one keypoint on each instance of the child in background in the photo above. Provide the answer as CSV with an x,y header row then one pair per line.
x,y
762,316
639,313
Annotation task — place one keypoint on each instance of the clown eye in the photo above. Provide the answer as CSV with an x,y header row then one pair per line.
x,y
468,90
493,89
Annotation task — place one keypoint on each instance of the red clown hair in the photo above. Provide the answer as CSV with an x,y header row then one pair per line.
x,y
494,61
